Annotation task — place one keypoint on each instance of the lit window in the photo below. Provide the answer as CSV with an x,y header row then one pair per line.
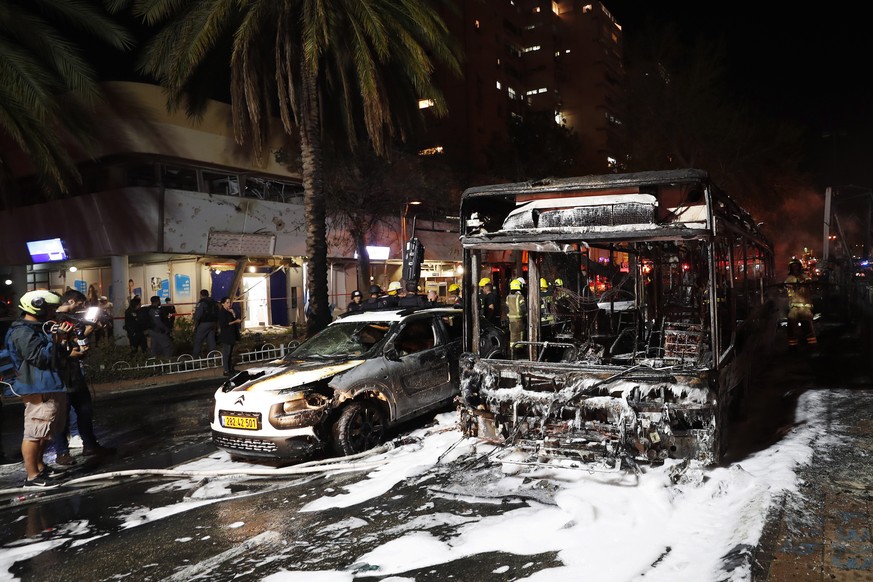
x,y
536,91
567,52
476,24
499,86
533,48
555,8
557,53
537,9
425,103
431,151
587,8
512,93
559,119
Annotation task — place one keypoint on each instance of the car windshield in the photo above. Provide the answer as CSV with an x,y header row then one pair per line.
x,y
342,340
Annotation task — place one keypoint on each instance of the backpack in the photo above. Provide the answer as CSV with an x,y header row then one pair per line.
x,y
210,311
142,317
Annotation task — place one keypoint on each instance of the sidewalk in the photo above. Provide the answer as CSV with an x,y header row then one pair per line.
x,y
139,384
825,533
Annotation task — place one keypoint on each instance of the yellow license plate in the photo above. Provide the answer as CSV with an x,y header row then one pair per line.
x,y
241,422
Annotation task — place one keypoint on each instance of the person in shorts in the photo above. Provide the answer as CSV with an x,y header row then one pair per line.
x,y
33,341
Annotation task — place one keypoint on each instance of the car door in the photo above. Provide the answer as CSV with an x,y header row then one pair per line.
x,y
418,365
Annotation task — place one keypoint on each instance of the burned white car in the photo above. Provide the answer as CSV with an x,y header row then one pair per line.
x,y
344,387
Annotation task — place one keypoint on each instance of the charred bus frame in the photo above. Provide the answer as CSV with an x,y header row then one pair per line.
x,y
647,347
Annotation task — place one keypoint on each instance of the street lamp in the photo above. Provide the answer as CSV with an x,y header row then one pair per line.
x,y
403,223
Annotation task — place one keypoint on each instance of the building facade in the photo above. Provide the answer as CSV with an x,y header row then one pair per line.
x,y
561,57
171,206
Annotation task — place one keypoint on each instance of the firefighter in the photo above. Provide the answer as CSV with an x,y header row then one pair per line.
x,y
799,288
454,294
516,312
547,316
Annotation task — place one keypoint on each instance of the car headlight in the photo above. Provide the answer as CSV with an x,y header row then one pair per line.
x,y
300,409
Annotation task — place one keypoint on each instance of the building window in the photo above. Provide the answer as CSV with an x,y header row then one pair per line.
x,y
587,8
536,91
512,93
555,8
425,103
499,86
533,48
476,24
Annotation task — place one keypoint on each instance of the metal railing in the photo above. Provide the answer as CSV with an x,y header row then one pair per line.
x,y
188,363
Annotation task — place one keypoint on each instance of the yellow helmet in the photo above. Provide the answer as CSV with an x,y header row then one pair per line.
x,y
454,288
37,302
393,287
559,282
543,283
515,285
484,281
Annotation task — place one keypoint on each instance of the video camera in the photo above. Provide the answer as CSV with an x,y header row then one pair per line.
x,y
95,317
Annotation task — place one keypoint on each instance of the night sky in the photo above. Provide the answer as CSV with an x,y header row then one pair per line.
x,y
811,66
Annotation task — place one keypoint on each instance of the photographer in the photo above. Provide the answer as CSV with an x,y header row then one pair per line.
x,y
77,343
34,353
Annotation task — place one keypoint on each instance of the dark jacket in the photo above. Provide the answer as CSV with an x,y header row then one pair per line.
x,y
34,356
228,333
207,311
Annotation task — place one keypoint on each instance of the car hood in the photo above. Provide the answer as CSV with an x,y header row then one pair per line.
x,y
294,374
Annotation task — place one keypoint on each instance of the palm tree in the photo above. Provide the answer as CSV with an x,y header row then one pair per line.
x,y
47,85
369,59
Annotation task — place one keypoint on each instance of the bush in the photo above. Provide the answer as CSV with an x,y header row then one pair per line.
x,y
101,362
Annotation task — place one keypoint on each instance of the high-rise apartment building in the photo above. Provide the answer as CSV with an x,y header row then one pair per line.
x,y
562,57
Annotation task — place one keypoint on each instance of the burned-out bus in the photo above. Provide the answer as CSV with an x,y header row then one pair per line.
x,y
646,309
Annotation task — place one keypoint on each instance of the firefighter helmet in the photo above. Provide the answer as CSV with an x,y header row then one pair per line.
x,y
515,285
484,281
393,287
38,302
559,282
454,289
375,290
543,284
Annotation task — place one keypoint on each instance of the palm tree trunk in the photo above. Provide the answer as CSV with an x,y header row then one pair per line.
x,y
314,204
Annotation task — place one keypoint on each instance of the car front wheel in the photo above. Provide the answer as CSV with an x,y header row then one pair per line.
x,y
361,426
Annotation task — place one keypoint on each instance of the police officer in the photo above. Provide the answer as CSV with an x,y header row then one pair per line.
x,y
374,300
356,303
412,298
490,301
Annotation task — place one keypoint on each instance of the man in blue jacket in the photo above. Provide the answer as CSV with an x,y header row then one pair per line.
x,y
34,346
